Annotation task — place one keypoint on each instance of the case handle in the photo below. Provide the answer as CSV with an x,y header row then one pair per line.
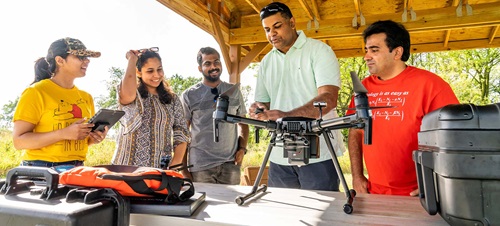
x,y
424,164
13,186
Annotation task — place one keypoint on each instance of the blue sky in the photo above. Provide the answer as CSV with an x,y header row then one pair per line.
x,y
110,26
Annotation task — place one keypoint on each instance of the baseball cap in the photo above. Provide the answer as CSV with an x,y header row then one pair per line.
x,y
77,48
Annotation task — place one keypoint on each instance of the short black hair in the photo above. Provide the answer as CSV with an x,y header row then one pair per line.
x,y
206,51
274,8
396,33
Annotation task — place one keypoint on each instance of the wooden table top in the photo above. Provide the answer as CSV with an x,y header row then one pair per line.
x,y
280,206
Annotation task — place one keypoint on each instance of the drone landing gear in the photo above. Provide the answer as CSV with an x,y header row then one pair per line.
x,y
350,193
240,200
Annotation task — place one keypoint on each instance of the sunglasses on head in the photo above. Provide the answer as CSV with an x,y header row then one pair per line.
x,y
152,49
271,9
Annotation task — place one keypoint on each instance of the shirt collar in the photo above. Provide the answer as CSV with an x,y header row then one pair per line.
x,y
299,43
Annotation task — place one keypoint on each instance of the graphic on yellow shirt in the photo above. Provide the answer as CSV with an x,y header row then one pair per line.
x,y
66,111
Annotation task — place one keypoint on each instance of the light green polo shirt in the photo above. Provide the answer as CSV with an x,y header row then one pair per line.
x,y
290,80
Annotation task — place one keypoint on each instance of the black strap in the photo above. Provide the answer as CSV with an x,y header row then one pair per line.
x,y
174,185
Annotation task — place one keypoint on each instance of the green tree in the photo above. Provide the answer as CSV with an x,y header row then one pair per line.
x,y
179,84
477,65
110,99
8,114
347,65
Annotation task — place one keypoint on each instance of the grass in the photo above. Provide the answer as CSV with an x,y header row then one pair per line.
x,y
101,154
98,154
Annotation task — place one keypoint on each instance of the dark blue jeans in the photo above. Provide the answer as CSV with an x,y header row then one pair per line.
x,y
58,166
315,176
227,173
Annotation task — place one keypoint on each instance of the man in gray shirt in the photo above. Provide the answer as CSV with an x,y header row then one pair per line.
x,y
213,162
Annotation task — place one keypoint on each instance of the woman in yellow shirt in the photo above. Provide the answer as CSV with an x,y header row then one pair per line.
x,y
50,117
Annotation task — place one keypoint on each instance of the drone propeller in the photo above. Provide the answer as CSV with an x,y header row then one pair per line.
x,y
230,91
227,93
356,84
363,110
359,88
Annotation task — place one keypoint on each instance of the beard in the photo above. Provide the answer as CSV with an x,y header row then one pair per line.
x,y
210,78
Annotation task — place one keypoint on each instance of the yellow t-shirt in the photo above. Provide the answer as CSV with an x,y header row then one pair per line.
x,y
50,107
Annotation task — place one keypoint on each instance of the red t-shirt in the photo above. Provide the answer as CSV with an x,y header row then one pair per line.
x,y
414,93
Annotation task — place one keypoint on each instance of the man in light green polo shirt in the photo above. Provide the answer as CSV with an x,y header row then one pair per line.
x,y
297,72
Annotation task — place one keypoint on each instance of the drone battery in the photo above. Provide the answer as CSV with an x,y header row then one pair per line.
x,y
458,164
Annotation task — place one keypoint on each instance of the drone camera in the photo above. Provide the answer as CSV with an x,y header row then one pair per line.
x,y
298,141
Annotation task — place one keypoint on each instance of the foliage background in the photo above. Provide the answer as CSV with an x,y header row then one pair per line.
x,y
474,75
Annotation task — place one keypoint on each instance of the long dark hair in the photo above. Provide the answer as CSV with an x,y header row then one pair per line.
x,y
46,66
165,92
41,70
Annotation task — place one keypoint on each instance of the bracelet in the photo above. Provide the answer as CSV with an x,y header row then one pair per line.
x,y
243,149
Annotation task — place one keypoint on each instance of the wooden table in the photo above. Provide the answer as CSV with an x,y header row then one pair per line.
x,y
279,206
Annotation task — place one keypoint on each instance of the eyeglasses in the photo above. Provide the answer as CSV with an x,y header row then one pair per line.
x,y
152,49
215,92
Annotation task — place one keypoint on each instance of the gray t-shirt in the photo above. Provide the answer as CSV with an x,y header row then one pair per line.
x,y
199,105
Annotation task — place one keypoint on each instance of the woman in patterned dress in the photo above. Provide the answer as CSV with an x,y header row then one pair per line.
x,y
154,132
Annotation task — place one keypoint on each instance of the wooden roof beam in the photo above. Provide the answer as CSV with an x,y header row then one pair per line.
x,y
217,33
315,10
254,5
235,55
357,8
433,47
307,9
493,33
428,20
447,38
256,51
230,5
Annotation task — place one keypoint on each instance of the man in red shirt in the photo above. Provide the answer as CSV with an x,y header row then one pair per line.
x,y
413,93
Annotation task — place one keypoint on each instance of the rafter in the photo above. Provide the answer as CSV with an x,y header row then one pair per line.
x,y
307,9
428,20
315,10
254,5
446,38
357,6
256,50
493,33
432,47
230,5
217,33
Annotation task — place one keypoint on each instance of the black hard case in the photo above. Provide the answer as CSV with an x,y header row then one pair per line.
x,y
45,202
458,164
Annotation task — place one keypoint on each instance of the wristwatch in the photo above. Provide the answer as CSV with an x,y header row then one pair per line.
x,y
243,149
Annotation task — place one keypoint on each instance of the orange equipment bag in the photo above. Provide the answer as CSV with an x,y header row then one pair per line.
x,y
132,181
